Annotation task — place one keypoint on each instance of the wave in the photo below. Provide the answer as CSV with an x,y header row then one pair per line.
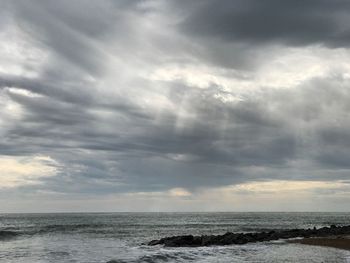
x,y
4,234
174,256
9,232
69,228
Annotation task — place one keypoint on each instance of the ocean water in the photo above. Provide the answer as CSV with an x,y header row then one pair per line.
x,y
101,237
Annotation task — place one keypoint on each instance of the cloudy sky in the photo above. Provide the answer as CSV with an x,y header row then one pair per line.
x,y
167,105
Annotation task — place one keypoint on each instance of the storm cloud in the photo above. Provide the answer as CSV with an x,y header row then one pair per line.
x,y
130,97
254,22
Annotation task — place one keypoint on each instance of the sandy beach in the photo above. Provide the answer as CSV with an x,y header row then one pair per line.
x,y
341,242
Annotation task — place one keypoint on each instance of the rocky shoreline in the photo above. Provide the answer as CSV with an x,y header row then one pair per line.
x,y
243,238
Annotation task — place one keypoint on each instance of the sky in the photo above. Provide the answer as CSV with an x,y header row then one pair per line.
x,y
168,105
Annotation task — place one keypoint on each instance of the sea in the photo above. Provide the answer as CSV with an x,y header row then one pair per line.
x,y
120,237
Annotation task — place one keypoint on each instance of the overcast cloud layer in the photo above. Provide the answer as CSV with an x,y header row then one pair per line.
x,y
174,105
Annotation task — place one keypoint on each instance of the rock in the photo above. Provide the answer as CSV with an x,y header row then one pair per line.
x,y
206,240
243,238
178,241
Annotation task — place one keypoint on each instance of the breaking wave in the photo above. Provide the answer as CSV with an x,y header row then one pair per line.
x,y
5,234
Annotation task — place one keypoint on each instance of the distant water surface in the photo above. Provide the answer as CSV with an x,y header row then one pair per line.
x,y
100,237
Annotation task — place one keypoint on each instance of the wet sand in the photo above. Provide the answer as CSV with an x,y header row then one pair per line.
x,y
341,242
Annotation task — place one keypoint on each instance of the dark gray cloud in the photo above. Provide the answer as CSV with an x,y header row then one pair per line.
x,y
295,23
112,127
242,34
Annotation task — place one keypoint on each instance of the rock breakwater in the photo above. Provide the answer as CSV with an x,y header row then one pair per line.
x,y
243,238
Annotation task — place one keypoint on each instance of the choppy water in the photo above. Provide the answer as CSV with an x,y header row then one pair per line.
x,y
103,237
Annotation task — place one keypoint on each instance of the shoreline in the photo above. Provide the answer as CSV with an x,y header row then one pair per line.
x,y
339,241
